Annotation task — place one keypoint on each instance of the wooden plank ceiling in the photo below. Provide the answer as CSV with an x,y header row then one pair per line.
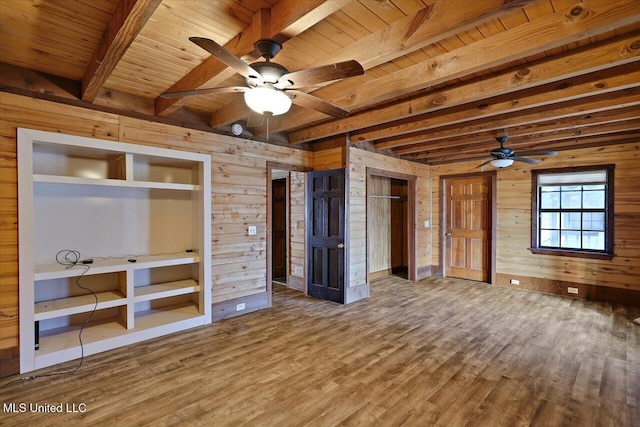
x,y
442,78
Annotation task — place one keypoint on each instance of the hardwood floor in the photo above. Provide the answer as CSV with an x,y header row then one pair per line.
x,y
439,352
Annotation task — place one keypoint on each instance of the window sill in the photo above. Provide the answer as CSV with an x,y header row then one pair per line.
x,y
575,254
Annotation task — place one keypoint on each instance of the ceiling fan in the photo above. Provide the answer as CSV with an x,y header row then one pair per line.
x,y
271,88
505,156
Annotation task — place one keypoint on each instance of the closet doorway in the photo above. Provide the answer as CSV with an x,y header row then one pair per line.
x,y
390,225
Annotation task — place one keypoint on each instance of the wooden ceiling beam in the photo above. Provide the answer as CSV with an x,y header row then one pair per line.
x,y
583,20
401,117
471,143
530,106
286,19
547,103
439,20
523,142
571,122
127,21
569,144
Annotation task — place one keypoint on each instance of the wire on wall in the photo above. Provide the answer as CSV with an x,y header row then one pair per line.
x,y
69,259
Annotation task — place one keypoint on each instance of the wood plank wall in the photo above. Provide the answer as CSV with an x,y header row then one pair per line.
x,y
358,161
238,192
332,158
554,273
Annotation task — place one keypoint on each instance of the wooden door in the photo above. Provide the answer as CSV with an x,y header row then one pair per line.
x,y
326,235
279,228
468,228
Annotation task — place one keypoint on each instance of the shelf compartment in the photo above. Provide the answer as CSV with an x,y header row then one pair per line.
x,y
166,316
165,290
164,170
110,265
77,304
107,182
61,345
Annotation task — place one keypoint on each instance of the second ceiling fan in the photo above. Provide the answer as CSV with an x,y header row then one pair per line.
x,y
271,88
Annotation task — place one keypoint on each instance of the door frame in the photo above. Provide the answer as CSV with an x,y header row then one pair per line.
x,y
412,228
287,225
291,168
493,215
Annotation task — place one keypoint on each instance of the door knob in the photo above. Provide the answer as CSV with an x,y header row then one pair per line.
x,y
341,245
447,234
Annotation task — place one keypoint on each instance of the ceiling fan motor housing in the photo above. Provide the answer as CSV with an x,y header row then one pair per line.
x,y
502,152
270,72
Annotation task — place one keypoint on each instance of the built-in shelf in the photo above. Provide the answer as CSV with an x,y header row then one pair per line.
x,y
107,182
77,304
165,290
111,202
115,264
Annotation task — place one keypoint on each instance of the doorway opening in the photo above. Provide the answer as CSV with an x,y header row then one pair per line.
x,y
286,239
390,225
279,228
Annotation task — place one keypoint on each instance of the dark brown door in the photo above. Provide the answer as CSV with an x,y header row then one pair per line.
x,y
279,228
468,228
326,235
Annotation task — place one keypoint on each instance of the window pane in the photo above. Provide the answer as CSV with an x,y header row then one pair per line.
x,y
593,221
550,200
570,221
571,199
549,188
571,187
550,220
570,239
593,199
550,238
593,240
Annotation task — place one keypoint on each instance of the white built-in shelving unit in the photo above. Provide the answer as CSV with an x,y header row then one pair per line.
x,y
140,213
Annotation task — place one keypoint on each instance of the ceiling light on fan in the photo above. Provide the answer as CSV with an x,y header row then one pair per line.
x,y
267,100
501,163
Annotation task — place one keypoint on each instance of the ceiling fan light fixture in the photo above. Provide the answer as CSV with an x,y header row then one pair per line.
x,y
501,163
267,100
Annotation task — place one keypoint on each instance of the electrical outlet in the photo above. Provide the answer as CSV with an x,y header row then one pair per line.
x,y
240,307
515,282
572,290
426,224
252,230
298,270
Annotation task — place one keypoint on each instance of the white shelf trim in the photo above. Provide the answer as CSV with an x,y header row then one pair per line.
x,y
165,290
77,304
104,182
112,265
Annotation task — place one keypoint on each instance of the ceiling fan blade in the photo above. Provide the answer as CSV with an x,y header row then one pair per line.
x,y
206,91
485,163
321,74
539,153
303,99
227,57
526,160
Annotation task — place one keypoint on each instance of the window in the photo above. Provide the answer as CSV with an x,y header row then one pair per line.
x,y
573,212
